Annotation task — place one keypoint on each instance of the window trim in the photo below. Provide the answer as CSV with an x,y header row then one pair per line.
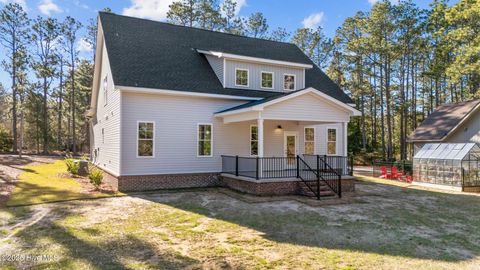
x,y
305,139
327,141
248,77
198,140
105,91
273,79
250,139
153,140
294,82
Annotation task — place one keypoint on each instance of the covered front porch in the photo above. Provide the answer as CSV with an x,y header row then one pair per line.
x,y
301,136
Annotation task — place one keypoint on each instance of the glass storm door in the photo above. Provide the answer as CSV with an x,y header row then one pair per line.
x,y
290,148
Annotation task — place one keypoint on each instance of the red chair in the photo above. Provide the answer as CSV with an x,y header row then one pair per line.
x,y
409,179
394,174
385,174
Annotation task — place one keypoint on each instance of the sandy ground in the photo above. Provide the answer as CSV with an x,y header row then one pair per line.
x,y
11,166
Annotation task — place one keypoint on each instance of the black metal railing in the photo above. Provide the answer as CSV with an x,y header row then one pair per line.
x,y
318,168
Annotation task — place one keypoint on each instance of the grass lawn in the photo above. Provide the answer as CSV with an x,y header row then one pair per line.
x,y
45,183
386,227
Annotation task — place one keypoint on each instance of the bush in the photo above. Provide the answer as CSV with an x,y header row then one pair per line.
x,y
95,175
72,166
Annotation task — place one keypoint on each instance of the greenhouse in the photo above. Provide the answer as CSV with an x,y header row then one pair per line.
x,y
452,164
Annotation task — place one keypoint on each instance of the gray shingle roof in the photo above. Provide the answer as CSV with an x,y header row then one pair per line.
x,y
150,54
443,121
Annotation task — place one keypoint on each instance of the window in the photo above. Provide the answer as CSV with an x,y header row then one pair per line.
x,y
309,140
332,141
288,82
105,91
145,141
241,77
267,80
253,140
204,140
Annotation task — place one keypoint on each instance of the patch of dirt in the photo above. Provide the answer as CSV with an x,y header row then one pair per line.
x,y
87,187
11,166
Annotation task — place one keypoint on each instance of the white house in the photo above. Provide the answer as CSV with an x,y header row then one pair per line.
x,y
174,106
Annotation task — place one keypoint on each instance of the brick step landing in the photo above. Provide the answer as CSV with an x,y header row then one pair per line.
x,y
325,191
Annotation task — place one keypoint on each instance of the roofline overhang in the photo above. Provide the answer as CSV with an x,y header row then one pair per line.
x,y
255,59
144,90
261,107
425,141
460,123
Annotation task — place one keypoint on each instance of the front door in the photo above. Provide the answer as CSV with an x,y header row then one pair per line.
x,y
290,147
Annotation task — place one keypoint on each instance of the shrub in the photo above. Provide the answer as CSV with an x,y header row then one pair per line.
x,y
72,166
95,175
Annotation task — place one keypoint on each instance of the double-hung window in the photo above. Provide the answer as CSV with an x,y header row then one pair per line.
x,y
241,77
267,80
253,140
309,140
204,140
145,139
332,141
288,82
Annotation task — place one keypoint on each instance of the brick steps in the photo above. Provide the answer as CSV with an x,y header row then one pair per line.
x,y
325,191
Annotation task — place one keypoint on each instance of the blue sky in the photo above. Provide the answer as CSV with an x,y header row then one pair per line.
x,y
290,14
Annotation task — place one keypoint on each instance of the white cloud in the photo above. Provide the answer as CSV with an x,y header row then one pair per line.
x,y
84,46
313,20
240,4
151,9
48,7
22,3
373,2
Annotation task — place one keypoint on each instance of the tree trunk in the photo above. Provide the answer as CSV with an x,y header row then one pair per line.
x,y
60,100
45,116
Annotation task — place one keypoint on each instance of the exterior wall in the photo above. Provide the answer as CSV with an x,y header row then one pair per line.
x,y
217,66
176,119
107,118
313,109
254,75
469,131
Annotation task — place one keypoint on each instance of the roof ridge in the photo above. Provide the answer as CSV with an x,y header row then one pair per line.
x,y
195,28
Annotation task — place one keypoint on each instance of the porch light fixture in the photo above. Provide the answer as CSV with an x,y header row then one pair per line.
x,y
279,127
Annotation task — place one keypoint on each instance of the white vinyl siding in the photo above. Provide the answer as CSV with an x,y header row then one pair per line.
x,y
106,145
217,66
255,75
105,91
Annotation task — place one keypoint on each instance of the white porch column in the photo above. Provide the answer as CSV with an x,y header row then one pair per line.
x,y
260,145
345,147
260,137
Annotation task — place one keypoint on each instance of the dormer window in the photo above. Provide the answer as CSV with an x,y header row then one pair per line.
x,y
288,82
241,77
267,80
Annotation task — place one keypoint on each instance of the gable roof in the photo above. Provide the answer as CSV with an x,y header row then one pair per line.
x,y
156,55
259,104
444,120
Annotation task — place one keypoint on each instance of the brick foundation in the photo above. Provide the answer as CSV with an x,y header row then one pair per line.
x,y
262,188
170,181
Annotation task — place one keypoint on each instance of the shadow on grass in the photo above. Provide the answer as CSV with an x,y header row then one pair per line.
x,y
79,246
393,221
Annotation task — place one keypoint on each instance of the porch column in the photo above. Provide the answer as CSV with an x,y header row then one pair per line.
x,y
260,137
345,139
260,146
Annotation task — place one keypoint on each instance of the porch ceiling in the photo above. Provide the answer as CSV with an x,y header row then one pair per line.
x,y
308,105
